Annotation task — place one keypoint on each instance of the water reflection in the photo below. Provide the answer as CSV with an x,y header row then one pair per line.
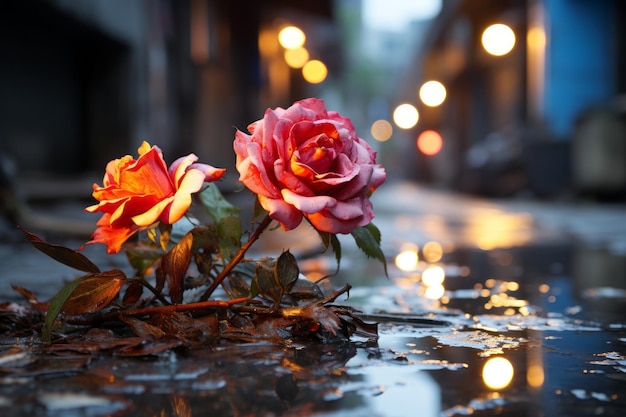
x,y
497,373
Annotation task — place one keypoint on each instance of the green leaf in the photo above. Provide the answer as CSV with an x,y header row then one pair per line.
x,y
142,257
230,231
367,238
331,240
56,304
336,245
62,254
85,294
215,204
175,264
286,271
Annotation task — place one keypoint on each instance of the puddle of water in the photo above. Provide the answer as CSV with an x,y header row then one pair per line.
x,y
536,330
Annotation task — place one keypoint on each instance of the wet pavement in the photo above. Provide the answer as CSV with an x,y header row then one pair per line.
x,y
511,307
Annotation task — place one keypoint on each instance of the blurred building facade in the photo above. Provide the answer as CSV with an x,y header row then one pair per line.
x,y
548,117
84,82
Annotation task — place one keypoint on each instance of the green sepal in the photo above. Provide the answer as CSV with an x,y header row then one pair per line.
x,y
331,240
367,238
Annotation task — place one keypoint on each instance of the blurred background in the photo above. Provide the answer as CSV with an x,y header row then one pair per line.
x,y
489,97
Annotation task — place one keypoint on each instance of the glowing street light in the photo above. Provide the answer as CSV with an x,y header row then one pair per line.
x,y
432,93
291,37
405,116
498,39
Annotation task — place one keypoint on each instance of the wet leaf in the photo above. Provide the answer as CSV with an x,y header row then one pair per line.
x,y
56,304
367,239
142,328
265,280
62,254
175,264
286,271
303,289
215,204
93,293
133,293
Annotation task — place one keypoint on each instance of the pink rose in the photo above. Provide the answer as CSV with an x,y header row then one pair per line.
x,y
307,161
136,194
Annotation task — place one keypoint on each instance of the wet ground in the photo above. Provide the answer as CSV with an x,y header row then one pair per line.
x,y
512,308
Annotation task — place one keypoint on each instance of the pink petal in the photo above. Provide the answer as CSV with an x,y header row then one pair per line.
x,y
308,204
179,167
287,215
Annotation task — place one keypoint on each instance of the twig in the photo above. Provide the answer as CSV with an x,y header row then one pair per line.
x,y
237,258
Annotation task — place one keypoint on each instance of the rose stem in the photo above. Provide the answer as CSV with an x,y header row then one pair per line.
x,y
237,258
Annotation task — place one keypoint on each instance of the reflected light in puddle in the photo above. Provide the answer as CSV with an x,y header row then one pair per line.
x,y
498,373
534,376
408,258
491,229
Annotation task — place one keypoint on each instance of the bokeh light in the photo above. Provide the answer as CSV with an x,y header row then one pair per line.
x,y
498,373
405,116
432,93
296,58
498,39
408,258
381,130
433,275
435,292
291,37
432,251
314,71
429,142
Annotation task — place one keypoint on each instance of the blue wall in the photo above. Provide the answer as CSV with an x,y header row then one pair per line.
x,y
580,59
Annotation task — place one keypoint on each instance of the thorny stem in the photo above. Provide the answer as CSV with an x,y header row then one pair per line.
x,y
237,258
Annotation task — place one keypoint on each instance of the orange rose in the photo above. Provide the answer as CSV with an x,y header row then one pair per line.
x,y
137,194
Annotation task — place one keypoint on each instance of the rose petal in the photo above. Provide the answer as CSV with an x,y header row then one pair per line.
x,y
308,204
287,215
151,216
